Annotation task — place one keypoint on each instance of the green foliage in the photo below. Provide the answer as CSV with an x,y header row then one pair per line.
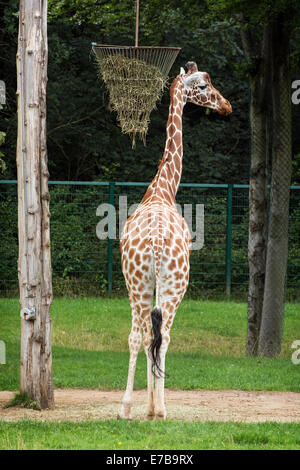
x,y
2,137
257,11
79,259
9,238
84,139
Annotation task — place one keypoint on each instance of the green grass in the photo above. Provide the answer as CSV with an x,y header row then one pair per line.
x,y
24,401
206,352
207,349
170,435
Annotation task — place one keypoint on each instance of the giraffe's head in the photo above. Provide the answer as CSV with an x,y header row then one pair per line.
x,y
199,90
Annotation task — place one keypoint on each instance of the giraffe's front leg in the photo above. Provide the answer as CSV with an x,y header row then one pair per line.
x,y
134,340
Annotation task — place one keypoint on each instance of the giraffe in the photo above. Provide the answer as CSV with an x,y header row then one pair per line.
x,y
156,243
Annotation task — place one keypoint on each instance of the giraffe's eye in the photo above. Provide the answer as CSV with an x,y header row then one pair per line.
x,y
203,87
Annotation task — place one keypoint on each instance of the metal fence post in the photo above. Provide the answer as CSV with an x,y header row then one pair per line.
x,y
228,238
110,239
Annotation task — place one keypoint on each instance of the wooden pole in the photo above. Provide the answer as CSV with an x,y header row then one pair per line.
x,y
137,11
34,264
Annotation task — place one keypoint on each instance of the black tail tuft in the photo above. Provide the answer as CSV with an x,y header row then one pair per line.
x,y
156,318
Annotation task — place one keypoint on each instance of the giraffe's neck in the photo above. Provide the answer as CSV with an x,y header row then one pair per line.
x,y
166,181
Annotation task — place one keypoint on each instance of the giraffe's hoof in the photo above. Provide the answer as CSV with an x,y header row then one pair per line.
x,y
161,415
125,413
120,416
150,416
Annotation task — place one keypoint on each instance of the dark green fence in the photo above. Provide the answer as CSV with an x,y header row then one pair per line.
x,y
83,264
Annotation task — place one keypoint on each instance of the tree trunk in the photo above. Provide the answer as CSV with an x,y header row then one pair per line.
x,y
257,227
259,74
277,247
34,264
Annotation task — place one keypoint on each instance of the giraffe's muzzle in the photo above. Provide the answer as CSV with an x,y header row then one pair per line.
x,y
225,108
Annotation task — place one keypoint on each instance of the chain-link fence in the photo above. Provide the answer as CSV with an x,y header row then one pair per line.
x,y
83,264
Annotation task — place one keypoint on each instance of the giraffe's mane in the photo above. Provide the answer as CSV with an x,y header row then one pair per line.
x,y
162,161
172,88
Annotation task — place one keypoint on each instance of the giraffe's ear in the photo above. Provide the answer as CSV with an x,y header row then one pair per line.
x,y
182,71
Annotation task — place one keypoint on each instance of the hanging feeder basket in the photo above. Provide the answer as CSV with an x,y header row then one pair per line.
x,y
135,78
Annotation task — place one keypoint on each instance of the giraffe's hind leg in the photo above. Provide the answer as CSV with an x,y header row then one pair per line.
x,y
172,293
145,318
159,397
168,310
140,281
147,336
134,341
141,308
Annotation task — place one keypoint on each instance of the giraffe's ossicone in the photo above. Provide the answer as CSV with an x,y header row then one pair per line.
x,y
156,243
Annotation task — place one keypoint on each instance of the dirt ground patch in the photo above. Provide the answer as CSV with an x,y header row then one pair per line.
x,y
183,405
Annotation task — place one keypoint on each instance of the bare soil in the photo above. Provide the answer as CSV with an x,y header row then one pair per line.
x,y
183,405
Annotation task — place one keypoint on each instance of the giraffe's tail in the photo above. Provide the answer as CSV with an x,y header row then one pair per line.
x,y
156,319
